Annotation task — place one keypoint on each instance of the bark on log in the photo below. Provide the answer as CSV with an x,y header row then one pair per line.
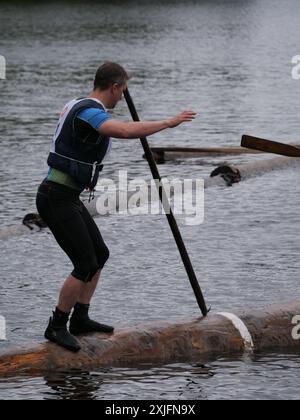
x,y
163,342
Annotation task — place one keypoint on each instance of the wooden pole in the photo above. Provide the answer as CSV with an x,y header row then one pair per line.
x,y
171,219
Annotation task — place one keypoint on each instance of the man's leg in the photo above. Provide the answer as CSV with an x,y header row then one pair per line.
x,y
88,289
74,291
70,294
80,322
59,207
57,328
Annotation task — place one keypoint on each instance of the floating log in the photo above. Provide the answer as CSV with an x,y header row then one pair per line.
x,y
224,175
198,339
230,174
270,146
163,154
11,231
32,222
263,166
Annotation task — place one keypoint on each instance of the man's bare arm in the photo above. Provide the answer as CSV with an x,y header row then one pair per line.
x,y
134,130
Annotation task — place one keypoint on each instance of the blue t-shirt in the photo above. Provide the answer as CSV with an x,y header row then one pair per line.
x,y
94,116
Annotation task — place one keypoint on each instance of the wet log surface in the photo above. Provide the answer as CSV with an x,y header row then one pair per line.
x,y
162,343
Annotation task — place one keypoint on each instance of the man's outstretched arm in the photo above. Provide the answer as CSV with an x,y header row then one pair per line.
x,y
133,130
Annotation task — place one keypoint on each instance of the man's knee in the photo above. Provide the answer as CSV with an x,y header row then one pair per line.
x,y
85,270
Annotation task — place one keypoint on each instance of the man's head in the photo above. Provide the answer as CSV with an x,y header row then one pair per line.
x,y
111,79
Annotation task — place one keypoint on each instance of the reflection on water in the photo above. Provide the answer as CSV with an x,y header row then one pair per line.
x,y
73,386
258,377
231,62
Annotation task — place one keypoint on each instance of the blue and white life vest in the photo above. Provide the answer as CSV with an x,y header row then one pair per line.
x,y
77,148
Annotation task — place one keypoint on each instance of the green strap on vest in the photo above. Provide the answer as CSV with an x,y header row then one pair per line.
x,y
64,179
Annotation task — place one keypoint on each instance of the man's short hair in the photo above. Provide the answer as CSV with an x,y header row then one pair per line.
x,y
108,74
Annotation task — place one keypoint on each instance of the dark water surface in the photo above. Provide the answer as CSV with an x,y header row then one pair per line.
x,y
231,62
260,377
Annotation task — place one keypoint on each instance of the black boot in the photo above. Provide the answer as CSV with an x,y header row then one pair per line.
x,y
57,332
81,323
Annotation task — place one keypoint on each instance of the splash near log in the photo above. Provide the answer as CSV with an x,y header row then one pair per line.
x,y
217,335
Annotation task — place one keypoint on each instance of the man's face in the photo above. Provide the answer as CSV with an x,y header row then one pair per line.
x,y
117,91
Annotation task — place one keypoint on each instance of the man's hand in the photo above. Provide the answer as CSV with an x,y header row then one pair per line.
x,y
185,116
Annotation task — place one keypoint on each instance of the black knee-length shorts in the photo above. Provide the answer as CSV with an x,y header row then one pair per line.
x,y
73,228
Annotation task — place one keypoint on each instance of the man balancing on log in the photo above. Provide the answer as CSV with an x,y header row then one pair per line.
x,y
81,142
